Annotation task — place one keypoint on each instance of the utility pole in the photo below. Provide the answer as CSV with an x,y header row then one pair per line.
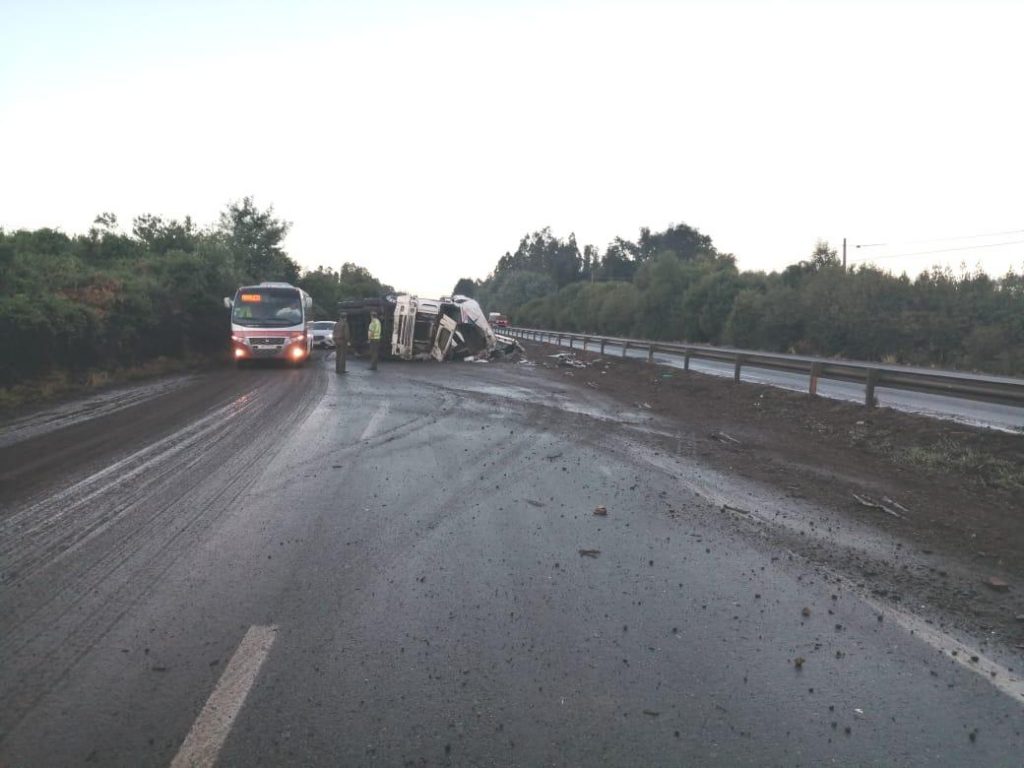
x,y
844,254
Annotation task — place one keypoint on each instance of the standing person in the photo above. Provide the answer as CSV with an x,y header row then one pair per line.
x,y
341,334
373,336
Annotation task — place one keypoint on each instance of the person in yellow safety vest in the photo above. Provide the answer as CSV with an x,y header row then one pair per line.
x,y
373,336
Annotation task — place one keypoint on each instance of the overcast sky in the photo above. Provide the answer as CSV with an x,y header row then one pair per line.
x,y
422,140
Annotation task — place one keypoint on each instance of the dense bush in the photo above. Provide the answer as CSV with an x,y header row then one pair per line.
x,y
675,285
103,300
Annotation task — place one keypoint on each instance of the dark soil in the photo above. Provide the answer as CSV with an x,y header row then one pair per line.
x,y
958,490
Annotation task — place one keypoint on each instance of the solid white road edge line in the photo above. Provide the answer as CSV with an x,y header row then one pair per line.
x,y
211,728
963,654
375,420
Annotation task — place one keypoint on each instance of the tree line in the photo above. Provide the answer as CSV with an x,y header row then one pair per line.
x,y
71,304
675,285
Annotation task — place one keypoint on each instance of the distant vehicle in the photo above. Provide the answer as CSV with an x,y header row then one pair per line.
x,y
271,321
323,334
498,320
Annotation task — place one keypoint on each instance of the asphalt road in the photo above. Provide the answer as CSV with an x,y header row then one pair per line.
x,y
994,415
286,567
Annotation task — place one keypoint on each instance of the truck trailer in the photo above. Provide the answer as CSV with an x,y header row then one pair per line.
x,y
451,328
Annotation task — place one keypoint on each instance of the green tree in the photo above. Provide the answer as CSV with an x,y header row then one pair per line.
x,y
465,287
162,236
255,238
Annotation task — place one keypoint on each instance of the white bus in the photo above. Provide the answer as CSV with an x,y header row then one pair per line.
x,y
271,321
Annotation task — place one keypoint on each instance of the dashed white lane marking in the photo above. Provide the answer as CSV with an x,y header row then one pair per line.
x,y
375,421
211,728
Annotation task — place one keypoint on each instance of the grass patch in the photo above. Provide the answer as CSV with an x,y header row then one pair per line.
x,y
948,455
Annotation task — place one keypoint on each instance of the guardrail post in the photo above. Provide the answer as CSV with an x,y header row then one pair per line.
x,y
869,389
571,341
736,369
686,361
650,353
584,343
812,387
602,346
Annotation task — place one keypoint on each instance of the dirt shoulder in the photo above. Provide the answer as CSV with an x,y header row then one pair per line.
x,y
953,493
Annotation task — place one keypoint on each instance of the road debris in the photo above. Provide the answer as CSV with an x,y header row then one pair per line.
x,y
601,511
798,662
652,713
867,501
729,508
533,503
590,552
805,612
895,504
724,438
553,456
569,360
997,584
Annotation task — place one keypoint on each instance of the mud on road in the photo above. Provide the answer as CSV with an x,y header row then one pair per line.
x,y
950,497
489,565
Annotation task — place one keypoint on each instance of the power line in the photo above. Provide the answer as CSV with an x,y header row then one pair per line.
x,y
943,250
945,239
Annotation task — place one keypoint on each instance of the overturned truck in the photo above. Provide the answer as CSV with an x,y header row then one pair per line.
x,y
452,328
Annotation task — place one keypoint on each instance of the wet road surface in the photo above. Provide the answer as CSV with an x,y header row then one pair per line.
x,y
285,567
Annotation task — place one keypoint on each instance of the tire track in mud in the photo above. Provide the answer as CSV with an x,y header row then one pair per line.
x,y
123,545
61,521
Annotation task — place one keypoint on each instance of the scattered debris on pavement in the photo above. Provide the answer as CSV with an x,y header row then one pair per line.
x,y
601,511
729,508
994,582
590,552
867,501
569,360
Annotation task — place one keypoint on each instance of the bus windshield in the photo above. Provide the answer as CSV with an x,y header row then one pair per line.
x,y
267,307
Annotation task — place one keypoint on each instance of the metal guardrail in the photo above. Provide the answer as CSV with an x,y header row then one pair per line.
x,y
971,386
